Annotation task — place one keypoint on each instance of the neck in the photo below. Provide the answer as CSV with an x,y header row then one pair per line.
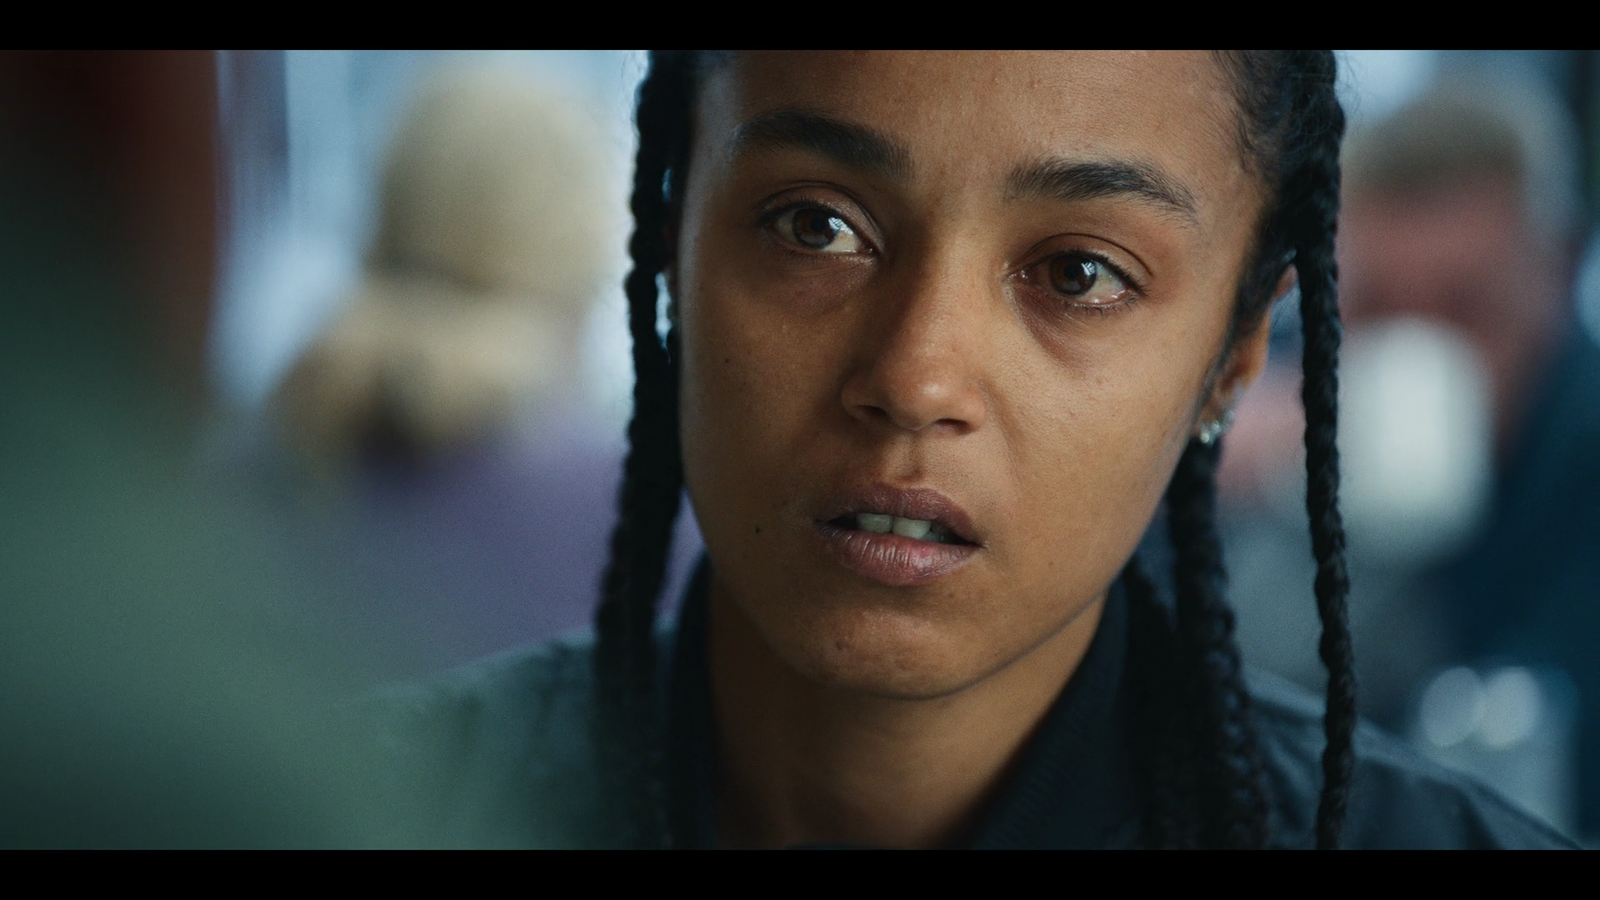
x,y
804,762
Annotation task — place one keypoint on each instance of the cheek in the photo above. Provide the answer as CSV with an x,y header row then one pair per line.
x,y
1099,438
753,398
1096,446
721,404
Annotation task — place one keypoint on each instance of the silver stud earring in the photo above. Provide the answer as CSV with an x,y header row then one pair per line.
x,y
1216,428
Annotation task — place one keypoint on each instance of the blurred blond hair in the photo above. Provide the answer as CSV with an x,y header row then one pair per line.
x,y
496,231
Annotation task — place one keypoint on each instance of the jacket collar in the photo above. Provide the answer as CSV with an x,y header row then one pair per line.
x,y
1071,787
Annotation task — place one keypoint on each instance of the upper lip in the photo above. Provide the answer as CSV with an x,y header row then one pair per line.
x,y
907,503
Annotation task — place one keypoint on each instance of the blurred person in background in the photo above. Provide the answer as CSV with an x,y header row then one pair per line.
x,y
159,688
1472,437
458,477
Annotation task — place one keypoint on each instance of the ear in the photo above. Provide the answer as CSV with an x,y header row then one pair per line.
x,y
1248,358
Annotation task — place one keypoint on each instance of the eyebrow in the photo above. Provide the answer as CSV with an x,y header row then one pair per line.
x,y
871,151
850,144
1066,181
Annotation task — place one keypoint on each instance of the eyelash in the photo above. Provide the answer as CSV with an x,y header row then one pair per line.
x,y
1135,289
768,220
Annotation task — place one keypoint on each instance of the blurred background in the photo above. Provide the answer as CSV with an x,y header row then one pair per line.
x,y
416,349
315,376
1469,426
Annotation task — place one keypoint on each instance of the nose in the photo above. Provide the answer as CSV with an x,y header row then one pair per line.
x,y
919,365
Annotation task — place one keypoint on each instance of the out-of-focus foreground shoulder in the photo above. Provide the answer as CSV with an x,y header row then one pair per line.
x,y
1398,800
495,754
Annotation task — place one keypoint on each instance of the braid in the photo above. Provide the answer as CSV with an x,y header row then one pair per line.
x,y
1288,100
652,482
1233,797
1319,312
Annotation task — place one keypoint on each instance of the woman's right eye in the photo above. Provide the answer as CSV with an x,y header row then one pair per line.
x,y
819,229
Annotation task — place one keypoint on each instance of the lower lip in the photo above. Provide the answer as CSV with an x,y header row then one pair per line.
x,y
891,559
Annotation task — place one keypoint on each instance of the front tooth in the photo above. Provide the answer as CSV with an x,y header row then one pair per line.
x,y
873,522
912,528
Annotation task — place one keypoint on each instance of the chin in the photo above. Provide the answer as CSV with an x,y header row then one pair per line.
x,y
882,653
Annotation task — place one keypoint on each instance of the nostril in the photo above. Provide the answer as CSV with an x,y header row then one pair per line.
x,y
917,370
914,407
874,414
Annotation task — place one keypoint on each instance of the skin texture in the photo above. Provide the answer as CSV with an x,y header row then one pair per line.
x,y
929,348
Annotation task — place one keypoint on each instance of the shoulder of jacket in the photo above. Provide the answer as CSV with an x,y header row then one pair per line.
x,y
509,696
495,753
1398,799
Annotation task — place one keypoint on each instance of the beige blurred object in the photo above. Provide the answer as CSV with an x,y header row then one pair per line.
x,y
494,238
1416,439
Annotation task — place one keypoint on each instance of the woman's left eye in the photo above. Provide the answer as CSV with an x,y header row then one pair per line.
x,y
819,229
1084,280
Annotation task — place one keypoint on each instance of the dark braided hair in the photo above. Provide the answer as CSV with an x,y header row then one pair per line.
x,y
1200,763
652,480
1300,159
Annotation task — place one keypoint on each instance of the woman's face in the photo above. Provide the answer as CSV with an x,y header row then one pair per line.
x,y
948,321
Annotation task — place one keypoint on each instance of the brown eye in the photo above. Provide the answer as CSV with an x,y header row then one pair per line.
x,y
816,228
1084,281
1073,275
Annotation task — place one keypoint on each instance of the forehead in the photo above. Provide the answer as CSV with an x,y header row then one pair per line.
x,y
984,116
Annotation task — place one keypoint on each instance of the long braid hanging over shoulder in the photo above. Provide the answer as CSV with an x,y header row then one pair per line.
x,y
626,729
1203,772
1319,313
1201,761
1232,795
1293,129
